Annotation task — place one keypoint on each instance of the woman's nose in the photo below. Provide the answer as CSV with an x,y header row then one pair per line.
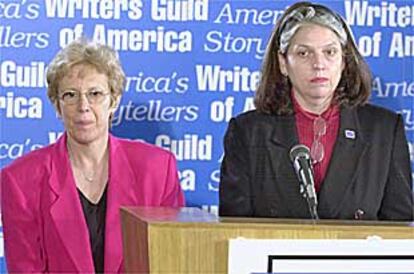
x,y
318,62
83,103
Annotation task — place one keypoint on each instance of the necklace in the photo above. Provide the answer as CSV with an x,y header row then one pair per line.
x,y
88,178
93,174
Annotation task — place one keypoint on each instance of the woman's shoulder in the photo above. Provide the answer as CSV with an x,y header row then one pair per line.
x,y
249,115
31,161
377,110
373,113
254,117
30,169
257,122
140,148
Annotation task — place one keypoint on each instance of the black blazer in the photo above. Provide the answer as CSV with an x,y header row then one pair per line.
x,y
368,176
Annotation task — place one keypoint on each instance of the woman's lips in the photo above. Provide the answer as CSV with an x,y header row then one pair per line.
x,y
83,123
319,80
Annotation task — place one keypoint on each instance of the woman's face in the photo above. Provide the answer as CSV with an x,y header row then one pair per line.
x,y
314,64
85,121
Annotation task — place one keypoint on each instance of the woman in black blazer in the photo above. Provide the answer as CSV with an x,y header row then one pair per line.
x,y
314,91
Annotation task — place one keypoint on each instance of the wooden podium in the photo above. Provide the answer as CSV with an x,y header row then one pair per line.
x,y
189,240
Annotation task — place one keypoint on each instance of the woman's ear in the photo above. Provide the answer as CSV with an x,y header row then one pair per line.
x,y
282,64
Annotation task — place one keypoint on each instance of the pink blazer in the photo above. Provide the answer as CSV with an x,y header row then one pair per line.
x,y
43,222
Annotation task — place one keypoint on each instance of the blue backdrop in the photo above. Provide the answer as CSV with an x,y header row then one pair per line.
x,y
190,64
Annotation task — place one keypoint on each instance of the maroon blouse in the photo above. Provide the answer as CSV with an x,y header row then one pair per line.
x,y
305,130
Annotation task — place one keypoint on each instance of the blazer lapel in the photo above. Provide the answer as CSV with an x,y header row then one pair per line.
x,y
284,131
121,192
283,138
66,211
349,147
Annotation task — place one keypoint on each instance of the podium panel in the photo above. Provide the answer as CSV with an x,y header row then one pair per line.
x,y
189,240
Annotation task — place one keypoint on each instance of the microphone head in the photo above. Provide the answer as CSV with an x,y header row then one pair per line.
x,y
299,151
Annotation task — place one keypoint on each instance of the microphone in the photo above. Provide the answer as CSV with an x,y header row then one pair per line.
x,y
300,157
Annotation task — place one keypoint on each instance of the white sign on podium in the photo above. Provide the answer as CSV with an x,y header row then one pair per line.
x,y
373,255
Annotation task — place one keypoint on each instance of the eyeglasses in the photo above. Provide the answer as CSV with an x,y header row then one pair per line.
x,y
317,150
71,97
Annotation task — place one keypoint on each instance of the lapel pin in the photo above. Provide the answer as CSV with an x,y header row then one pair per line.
x,y
350,134
359,214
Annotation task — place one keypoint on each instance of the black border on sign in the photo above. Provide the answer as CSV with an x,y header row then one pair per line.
x,y
272,258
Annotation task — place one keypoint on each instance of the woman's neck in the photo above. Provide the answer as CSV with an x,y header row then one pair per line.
x,y
316,106
90,166
87,155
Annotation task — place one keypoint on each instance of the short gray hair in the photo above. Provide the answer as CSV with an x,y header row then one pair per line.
x,y
84,51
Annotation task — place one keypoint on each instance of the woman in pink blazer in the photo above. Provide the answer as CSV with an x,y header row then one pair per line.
x,y
60,204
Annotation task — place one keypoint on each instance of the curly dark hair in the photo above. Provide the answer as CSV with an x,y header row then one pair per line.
x,y
273,92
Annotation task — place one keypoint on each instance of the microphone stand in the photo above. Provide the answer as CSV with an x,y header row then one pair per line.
x,y
300,157
310,196
312,207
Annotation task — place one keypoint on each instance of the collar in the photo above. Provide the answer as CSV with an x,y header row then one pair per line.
x,y
332,111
